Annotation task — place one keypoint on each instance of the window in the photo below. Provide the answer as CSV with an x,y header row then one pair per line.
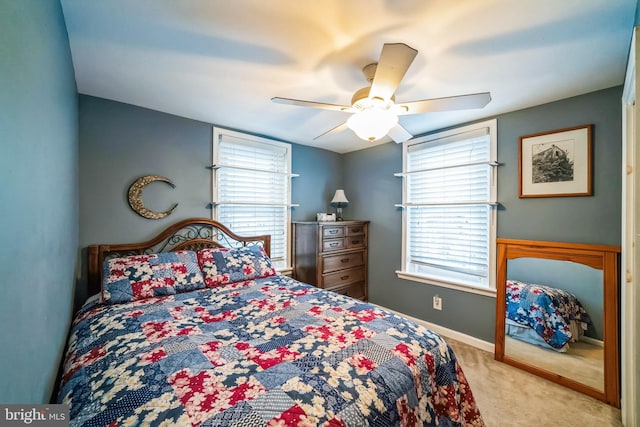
x,y
252,188
449,201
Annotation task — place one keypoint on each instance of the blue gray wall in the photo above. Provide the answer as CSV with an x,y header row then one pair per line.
x,y
373,191
121,142
320,175
595,219
39,197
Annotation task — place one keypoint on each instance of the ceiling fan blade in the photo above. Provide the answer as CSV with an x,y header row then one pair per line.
x,y
322,105
336,129
462,102
399,134
393,64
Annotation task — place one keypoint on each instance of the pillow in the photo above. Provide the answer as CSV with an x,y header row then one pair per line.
x,y
142,276
221,266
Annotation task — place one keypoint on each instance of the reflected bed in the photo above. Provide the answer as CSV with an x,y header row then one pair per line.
x,y
544,316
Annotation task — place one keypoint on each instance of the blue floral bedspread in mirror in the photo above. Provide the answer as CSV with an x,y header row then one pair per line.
x,y
545,309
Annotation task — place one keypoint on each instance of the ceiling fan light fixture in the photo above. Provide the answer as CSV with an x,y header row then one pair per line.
x,y
374,109
372,124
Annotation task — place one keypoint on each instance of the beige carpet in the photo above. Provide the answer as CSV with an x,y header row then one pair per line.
x,y
583,362
510,397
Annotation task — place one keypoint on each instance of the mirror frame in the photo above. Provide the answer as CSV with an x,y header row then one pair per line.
x,y
601,257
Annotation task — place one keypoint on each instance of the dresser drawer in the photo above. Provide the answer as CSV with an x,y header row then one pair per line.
x,y
342,277
355,230
354,290
354,242
333,231
341,262
333,245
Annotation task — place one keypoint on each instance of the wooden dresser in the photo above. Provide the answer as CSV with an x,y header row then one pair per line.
x,y
332,256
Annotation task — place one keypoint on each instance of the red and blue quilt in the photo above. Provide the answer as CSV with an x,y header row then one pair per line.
x,y
545,309
264,352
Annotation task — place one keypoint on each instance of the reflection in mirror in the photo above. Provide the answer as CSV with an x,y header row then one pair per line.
x,y
557,313
554,318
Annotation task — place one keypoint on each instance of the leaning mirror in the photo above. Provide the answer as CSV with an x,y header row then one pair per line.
x,y
557,313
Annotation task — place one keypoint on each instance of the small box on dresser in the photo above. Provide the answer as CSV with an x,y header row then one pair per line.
x,y
332,256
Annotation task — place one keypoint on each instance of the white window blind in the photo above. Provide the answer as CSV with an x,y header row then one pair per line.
x,y
252,188
449,199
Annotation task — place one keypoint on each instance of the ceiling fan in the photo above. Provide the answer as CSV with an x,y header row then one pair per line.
x,y
375,112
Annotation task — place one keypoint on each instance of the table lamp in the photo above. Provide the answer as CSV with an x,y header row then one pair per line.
x,y
339,201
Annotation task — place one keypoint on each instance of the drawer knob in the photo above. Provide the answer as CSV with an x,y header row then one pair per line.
x,y
344,260
333,231
344,277
333,244
355,242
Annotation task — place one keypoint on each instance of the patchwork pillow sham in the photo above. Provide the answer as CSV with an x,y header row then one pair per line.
x,y
142,276
221,266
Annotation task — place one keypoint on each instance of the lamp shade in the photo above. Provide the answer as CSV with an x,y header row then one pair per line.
x,y
339,199
372,124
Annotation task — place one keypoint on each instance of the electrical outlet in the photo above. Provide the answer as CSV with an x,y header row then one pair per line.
x,y
437,302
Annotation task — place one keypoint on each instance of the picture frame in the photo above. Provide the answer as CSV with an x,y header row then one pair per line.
x,y
556,163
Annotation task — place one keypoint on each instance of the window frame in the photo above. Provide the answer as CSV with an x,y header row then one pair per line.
x,y
491,125
218,134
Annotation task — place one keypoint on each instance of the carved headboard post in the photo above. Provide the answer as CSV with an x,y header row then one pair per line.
x,y
94,270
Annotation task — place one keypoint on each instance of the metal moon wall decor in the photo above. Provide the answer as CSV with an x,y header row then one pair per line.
x,y
135,197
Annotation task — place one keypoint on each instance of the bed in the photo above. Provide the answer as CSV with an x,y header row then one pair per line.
x,y
543,315
194,327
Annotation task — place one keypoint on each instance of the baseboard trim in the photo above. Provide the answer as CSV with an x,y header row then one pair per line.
x,y
448,333
592,341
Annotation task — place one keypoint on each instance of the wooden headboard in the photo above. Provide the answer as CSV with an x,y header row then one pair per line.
x,y
189,234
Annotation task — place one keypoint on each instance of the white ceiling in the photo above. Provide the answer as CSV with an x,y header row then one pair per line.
x,y
221,61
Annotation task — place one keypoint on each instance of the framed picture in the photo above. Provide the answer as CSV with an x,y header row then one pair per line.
x,y
556,163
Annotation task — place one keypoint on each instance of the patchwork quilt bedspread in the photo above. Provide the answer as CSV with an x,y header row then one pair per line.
x,y
546,310
265,352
